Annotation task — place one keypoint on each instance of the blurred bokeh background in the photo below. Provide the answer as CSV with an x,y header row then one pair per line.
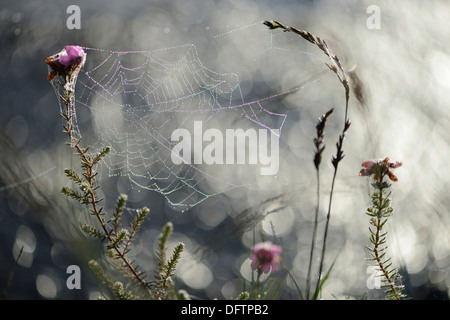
x,y
402,71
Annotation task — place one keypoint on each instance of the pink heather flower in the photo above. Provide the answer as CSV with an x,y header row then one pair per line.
x,y
68,62
380,168
73,55
265,256
367,170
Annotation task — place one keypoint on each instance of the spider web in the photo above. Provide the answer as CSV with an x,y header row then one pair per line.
x,y
136,99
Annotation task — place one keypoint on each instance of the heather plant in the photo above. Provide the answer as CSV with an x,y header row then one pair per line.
x,y
109,228
379,213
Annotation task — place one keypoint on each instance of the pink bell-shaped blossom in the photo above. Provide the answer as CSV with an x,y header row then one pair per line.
x,y
265,257
66,63
380,168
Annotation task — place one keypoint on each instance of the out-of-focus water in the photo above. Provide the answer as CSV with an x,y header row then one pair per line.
x,y
404,71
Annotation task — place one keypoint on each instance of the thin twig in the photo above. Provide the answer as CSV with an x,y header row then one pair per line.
x,y
11,275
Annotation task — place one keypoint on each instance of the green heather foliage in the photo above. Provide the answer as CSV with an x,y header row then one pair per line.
x,y
379,213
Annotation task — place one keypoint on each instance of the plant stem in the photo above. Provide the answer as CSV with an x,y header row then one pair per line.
x,y
257,286
378,242
90,177
325,235
335,161
313,244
